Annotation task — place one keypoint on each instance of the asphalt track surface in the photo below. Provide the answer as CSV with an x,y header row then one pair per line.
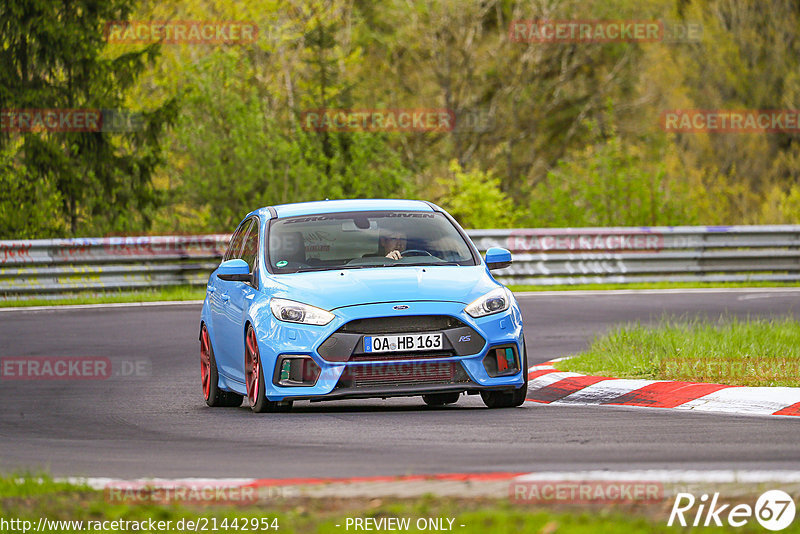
x,y
158,425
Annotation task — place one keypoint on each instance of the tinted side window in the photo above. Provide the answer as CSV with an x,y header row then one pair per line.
x,y
235,246
250,250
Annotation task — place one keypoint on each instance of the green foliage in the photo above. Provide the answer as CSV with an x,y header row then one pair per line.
x,y
53,58
26,205
475,199
248,153
748,58
564,134
612,183
781,206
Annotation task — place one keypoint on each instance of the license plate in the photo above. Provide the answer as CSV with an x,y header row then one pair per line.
x,y
402,342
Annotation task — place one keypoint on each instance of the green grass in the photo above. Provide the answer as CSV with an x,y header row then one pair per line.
x,y
29,498
149,295
654,285
745,353
34,485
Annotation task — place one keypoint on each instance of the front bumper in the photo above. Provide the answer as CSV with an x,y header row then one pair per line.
x,y
461,369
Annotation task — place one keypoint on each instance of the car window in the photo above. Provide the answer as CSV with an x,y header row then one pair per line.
x,y
250,250
235,246
365,239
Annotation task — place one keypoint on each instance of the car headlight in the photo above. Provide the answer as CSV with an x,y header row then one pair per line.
x,y
494,301
297,312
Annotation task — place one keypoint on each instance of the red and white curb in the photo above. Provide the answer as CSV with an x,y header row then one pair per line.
x,y
265,489
547,385
492,484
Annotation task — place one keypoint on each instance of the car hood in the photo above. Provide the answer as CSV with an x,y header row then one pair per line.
x,y
349,287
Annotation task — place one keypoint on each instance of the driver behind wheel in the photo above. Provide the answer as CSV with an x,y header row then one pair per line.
x,y
392,243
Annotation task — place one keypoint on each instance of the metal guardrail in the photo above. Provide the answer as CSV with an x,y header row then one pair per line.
x,y
45,267
648,254
541,257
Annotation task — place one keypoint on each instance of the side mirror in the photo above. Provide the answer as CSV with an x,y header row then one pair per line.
x,y
497,258
235,271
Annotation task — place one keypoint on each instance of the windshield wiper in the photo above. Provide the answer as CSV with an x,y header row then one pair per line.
x,y
312,269
422,264
338,267
372,265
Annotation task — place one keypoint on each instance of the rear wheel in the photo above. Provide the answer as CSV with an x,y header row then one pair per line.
x,y
209,376
254,378
509,399
440,399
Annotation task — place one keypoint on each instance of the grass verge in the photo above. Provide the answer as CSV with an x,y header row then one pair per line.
x,y
148,295
734,352
654,285
79,509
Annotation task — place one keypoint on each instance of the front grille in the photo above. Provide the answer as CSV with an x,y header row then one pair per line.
x,y
398,382
403,374
401,325
387,356
347,343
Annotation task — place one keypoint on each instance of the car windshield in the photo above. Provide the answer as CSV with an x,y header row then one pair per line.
x,y
355,240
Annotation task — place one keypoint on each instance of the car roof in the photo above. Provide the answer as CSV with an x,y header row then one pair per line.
x,y
338,206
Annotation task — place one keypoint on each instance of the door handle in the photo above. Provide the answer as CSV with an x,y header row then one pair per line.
x,y
225,298
211,289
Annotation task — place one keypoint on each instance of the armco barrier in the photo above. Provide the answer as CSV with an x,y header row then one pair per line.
x,y
53,266
647,254
541,257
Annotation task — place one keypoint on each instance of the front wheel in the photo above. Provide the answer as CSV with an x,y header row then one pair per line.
x,y
254,378
505,399
209,376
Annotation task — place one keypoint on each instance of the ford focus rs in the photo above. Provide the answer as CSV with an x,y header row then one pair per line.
x,y
358,299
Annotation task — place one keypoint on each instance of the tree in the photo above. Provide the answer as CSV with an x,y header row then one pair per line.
x,y
474,198
253,150
53,58
613,183
26,205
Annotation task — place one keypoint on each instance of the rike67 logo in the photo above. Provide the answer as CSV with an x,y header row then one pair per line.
x,y
774,510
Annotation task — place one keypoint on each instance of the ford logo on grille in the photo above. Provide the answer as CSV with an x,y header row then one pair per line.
x,y
400,307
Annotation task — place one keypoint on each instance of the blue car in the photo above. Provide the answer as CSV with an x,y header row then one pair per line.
x,y
348,299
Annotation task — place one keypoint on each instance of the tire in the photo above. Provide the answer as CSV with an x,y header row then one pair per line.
x,y
209,376
509,399
440,399
254,378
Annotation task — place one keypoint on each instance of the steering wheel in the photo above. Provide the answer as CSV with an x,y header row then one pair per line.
x,y
415,252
